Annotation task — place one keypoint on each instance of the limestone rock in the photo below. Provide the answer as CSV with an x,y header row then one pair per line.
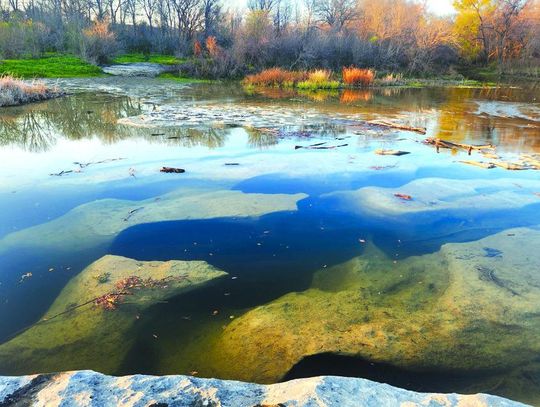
x,y
86,388
101,221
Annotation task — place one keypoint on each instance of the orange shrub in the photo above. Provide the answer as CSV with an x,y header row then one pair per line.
x,y
358,77
276,77
212,46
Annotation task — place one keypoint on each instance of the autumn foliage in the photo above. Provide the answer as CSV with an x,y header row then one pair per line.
x,y
358,77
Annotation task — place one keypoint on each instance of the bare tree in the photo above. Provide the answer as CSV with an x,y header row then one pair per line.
x,y
336,13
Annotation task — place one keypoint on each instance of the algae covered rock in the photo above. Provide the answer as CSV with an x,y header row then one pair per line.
x,y
472,307
92,322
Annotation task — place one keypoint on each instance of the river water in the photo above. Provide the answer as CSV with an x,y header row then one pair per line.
x,y
418,270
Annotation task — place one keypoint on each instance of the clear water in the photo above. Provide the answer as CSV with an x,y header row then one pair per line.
x,y
345,233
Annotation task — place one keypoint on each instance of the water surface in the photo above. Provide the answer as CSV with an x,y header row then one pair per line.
x,y
328,271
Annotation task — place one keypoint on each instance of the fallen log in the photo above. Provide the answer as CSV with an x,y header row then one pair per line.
x,y
383,123
439,143
391,152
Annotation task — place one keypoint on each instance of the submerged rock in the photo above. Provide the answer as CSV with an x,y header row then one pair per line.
x,y
87,388
457,310
440,207
89,314
99,222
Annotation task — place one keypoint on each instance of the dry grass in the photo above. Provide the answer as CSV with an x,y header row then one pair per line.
x,y
17,92
276,77
358,77
392,79
319,76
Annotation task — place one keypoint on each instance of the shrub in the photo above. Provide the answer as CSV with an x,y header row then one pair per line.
x,y
276,77
358,77
22,39
98,43
16,92
212,47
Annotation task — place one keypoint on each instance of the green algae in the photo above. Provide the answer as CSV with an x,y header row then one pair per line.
x,y
90,336
437,312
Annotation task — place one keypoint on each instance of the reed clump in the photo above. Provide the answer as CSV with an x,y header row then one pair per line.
x,y
311,80
276,77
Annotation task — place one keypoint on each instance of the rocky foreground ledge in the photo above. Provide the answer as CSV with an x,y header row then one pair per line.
x,y
87,388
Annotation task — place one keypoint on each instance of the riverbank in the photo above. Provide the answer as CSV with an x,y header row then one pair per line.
x,y
87,388
54,65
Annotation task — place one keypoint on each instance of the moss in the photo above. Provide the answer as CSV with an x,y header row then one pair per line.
x,y
153,58
50,66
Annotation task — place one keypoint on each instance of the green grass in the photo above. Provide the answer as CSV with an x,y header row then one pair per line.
x,y
49,66
183,79
310,85
154,58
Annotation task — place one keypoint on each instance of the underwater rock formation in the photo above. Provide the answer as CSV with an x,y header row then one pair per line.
x,y
87,388
452,205
101,305
99,222
472,307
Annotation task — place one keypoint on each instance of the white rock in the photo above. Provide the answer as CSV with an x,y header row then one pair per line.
x,y
87,388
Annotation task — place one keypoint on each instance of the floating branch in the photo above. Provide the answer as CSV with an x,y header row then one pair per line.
x,y
390,125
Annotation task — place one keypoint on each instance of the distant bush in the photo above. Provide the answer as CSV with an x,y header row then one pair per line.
x,y
358,77
276,77
22,39
222,66
98,43
16,92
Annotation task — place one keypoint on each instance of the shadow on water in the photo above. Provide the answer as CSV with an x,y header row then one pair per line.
x,y
329,364
266,258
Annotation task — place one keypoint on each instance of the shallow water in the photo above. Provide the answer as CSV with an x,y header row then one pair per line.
x,y
328,271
